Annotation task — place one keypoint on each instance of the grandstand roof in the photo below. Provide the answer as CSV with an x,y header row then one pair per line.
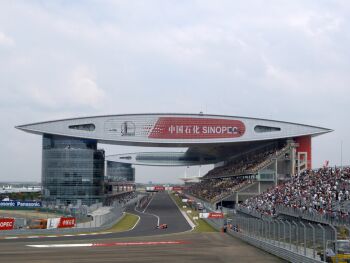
x,y
207,136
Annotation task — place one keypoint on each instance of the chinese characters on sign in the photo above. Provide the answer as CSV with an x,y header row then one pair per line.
x,y
196,128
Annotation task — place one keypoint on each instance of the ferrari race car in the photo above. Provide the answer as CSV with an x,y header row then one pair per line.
x,y
162,226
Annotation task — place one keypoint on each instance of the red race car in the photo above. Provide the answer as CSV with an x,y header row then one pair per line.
x,y
162,226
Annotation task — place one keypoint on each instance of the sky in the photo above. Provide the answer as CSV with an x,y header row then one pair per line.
x,y
281,60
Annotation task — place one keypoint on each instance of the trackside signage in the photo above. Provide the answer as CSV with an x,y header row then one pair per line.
x,y
159,188
211,215
61,222
15,203
67,222
7,223
196,128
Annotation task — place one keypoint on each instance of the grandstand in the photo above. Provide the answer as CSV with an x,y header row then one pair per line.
x,y
322,194
247,174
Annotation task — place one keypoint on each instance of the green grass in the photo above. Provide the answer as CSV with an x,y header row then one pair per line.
x,y
201,225
126,223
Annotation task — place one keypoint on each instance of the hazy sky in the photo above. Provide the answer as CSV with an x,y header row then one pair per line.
x,y
283,60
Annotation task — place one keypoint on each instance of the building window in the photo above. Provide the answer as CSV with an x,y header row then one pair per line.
x,y
83,127
261,129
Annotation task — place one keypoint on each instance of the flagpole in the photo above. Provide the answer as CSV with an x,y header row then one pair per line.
x,y
341,155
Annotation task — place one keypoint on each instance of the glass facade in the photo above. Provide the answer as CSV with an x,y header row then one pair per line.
x,y
120,172
72,171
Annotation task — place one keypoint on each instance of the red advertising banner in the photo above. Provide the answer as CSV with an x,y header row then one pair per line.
x,y
177,188
66,222
159,188
305,146
216,215
7,223
196,128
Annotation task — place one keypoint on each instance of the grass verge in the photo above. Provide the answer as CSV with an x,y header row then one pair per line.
x,y
201,225
126,223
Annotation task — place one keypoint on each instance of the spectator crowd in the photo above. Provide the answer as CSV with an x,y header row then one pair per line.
x,y
213,190
247,163
321,192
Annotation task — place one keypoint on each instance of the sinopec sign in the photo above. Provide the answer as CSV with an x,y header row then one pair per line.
x,y
7,223
196,128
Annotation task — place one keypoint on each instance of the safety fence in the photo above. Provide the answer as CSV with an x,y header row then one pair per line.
x,y
329,218
292,241
60,231
335,218
97,221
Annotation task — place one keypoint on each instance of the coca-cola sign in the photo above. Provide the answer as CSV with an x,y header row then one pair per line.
x,y
196,128
66,222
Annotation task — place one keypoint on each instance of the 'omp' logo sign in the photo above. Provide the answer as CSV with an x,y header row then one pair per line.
x,y
6,223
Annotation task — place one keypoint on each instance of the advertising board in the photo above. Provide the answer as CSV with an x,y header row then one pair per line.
x,y
211,215
7,223
67,222
16,203
61,222
196,128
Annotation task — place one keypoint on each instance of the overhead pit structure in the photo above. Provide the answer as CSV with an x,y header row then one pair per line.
x,y
71,144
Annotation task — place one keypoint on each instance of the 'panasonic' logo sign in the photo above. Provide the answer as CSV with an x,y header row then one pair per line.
x,y
30,204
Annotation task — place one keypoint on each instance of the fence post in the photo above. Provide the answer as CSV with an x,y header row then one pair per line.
x,y
324,241
296,236
274,232
335,239
290,234
284,233
313,240
304,237
248,221
279,232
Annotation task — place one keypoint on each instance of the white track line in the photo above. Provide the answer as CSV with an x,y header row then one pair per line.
x,y
142,243
138,220
158,219
61,245
189,221
148,204
10,237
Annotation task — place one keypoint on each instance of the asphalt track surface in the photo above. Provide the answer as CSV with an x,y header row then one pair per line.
x,y
144,243
161,205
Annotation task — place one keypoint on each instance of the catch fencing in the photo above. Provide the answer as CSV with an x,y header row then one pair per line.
x,y
295,241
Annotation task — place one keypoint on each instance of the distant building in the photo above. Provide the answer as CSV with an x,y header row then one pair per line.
x,y
120,172
72,171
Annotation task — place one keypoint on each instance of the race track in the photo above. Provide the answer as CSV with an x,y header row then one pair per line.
x,y
142,244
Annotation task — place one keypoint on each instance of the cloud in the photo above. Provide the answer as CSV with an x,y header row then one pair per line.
x,y
84,90
77,89
5,40
281,60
